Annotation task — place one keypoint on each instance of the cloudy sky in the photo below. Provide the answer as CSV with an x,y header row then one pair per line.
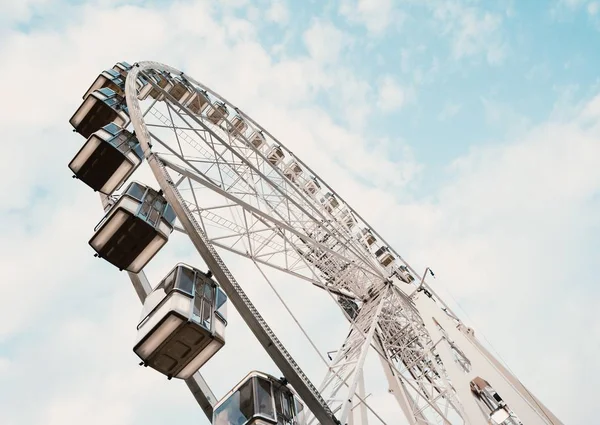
x,y
468,132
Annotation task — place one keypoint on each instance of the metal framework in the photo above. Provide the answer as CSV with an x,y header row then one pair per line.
x,y
236,188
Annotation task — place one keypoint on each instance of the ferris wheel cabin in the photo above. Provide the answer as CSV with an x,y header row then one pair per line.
x,y
490,401
197,102
135,228
330,202
384,256
238,126
312,186
163,82
108,158
348,219
98,109
217,112
367,237
109,78
292,171
180,90
122,68
275,155
257,139
403,274
183,323
260,399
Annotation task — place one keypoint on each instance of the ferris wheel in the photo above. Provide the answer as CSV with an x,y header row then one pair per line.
x,y
230,186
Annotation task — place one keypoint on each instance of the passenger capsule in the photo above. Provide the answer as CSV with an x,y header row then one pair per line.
x,y
108,158
330,202
142,85
144,88
292,171
403,274
109,78
122,68
135,228
98,109
183,323
180,91
347,219
257,139
384,256
163,81
260,399
367,237
312,186
197,102
275,155
216,112
238,126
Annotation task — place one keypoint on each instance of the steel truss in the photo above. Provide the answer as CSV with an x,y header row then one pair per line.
x,y
231,190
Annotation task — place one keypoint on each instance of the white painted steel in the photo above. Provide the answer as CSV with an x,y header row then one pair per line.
x,y
233,186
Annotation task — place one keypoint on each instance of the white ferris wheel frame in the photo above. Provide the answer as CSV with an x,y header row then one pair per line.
x,y
388,321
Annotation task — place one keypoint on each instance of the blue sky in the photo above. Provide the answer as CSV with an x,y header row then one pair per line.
x,y
468,131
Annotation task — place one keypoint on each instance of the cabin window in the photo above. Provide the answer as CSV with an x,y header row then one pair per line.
x,y
207,301
169,214
221,304
169,283
186,280
264,400
238,408
136,191
287,406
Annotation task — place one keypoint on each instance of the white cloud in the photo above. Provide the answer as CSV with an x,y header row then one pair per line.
x,y
472,32
19,11
391,95
324,41
593,7
449,111
376,15
503,116
278,12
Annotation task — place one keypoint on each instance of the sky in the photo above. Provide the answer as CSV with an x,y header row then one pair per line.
x,y
467,132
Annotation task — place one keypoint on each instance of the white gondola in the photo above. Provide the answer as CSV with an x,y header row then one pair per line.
x,y
108,158
216,112
135,228
292,171
109,78
490,401
259,399
98,109
275,155
197,102
180,91
122,68
142,85
384,256
257,139
183,323
163,81
312,186
367,237
330,202
347,219
403,274
238,126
